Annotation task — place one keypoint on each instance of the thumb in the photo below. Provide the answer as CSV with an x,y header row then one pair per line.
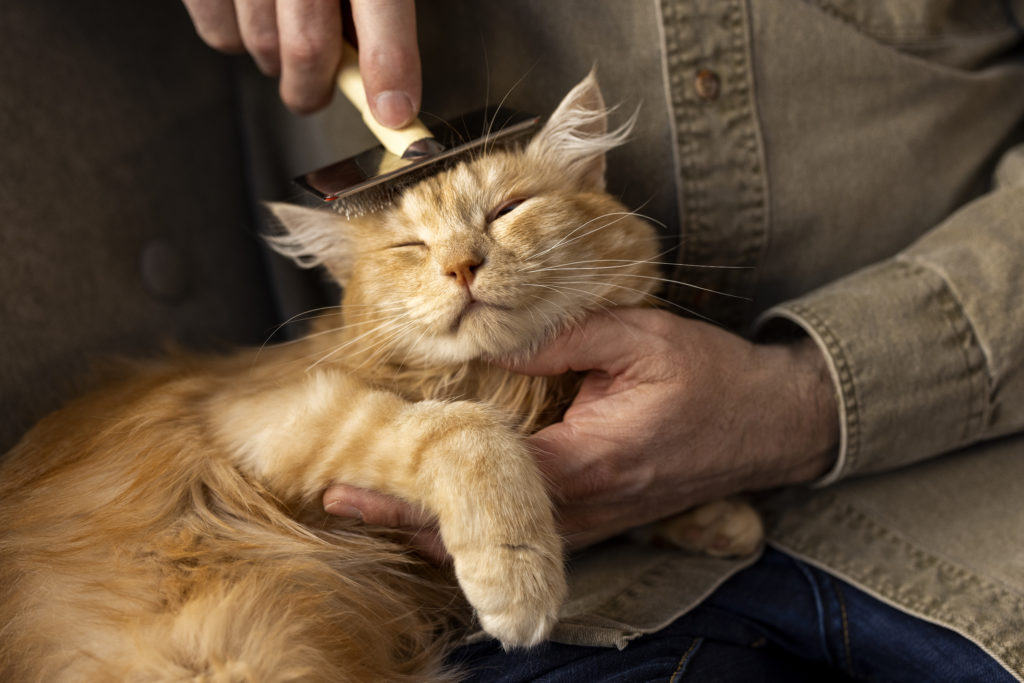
x,y
554,448
375,508
389,59
604,342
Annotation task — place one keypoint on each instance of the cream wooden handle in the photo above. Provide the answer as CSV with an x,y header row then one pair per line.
x,y
351,84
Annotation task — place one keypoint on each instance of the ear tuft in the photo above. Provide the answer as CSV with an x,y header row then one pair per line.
x,y
312,237
576,136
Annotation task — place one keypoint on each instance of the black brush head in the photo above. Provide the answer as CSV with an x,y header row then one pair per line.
x,y
372,180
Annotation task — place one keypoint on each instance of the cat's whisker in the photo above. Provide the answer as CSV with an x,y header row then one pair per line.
x,y
487,79
645,217
388,343
375,305
355,323
565,239
508,93
561,288
385,340
622,215
318,313
341,347
460,136
409,349
655,297
626,263
295,318
600,277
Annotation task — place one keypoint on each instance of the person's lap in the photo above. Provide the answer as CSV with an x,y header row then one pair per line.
x,y
778,620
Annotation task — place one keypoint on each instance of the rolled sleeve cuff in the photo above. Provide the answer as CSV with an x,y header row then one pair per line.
x,y
908,370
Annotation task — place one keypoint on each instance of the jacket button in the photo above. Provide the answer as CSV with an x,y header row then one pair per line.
x,y
164,272
708,85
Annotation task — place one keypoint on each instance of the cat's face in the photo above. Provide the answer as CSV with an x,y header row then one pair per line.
x,y
490,257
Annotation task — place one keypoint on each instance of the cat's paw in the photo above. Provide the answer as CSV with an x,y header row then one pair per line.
x,y
723,528
516,590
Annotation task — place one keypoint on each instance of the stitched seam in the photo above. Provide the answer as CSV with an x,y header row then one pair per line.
x,y
706,171
819,607
655,574
975,361
847,385
759,152
955,316
670,113
685,660
846,625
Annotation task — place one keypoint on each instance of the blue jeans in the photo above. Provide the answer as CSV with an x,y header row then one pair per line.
x,y
778,620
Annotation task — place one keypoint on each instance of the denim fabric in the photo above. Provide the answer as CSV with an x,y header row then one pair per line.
x,y
778,620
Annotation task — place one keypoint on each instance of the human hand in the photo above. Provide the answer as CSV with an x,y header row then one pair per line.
x,y
672,413
300,41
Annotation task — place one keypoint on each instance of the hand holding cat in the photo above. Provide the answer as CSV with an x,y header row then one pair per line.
x,y
300,41
672,413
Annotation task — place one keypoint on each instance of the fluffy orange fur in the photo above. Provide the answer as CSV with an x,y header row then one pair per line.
x,y
168,527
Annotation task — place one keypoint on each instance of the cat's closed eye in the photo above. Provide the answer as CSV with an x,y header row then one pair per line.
x,y
408,244
506,207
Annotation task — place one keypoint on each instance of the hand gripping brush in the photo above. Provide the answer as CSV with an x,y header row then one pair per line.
x,y
372,180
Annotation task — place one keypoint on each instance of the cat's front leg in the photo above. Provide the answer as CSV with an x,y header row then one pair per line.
x,y
457,459
495,520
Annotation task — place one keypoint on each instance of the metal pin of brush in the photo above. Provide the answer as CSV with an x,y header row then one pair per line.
x,y
373,179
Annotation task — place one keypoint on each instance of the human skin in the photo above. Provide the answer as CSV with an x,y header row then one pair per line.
x,y
300,41
672,413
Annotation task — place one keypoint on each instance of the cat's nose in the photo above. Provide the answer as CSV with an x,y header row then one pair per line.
x,y
463,270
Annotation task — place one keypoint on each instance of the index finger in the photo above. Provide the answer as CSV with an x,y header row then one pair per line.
x,y
604,342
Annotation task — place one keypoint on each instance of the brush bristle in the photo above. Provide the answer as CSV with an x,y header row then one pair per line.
x,y
379,197
377,194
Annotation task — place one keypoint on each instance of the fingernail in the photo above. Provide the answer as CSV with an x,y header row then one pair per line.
x,y
393,108
343,510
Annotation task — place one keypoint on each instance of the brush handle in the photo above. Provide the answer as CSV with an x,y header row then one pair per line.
x,y
351,84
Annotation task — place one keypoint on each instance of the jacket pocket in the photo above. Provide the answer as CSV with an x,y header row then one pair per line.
x,y
964,34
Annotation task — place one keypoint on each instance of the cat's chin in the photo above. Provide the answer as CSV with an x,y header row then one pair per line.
x,y
461,348
479,337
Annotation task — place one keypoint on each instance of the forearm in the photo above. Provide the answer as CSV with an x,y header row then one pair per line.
x,y
926,349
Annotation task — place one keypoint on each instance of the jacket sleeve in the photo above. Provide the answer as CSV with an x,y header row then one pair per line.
x,y
927,348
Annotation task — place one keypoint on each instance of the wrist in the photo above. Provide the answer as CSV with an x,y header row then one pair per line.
x,y
802,414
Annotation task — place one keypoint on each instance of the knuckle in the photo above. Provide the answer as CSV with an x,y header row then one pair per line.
x,y
389,59
264,44
311,53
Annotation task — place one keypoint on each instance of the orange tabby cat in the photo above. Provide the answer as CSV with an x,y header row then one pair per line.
x,y
169,527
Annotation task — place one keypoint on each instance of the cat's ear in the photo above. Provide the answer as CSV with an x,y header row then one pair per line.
x,y
313,237
576,137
